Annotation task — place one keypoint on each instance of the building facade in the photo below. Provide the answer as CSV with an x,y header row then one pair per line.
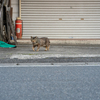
x,y
59,19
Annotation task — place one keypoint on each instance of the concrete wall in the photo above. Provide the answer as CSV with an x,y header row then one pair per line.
x,y
14,4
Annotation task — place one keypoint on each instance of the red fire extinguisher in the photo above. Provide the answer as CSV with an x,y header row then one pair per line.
x,y
18,28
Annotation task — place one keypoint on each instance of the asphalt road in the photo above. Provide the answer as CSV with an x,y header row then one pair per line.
x,y
49,82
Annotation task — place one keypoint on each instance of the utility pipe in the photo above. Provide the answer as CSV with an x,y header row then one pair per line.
x,y
19,15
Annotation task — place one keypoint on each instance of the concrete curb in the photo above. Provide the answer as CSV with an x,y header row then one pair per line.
x,y
66,42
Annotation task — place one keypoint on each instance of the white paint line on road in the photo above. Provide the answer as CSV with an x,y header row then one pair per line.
x,y
21,56
29,65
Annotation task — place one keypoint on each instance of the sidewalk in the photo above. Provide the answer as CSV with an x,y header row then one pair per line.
x,y
63,53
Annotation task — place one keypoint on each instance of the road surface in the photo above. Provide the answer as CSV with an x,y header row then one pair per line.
x,y
50,82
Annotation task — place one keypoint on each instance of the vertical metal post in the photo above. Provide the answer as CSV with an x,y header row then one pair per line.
x,y
19,16
9,3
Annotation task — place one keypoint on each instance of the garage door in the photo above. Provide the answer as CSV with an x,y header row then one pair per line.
x,y
61,19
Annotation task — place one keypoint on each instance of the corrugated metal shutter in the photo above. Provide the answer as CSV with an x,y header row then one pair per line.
x,y
61,19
